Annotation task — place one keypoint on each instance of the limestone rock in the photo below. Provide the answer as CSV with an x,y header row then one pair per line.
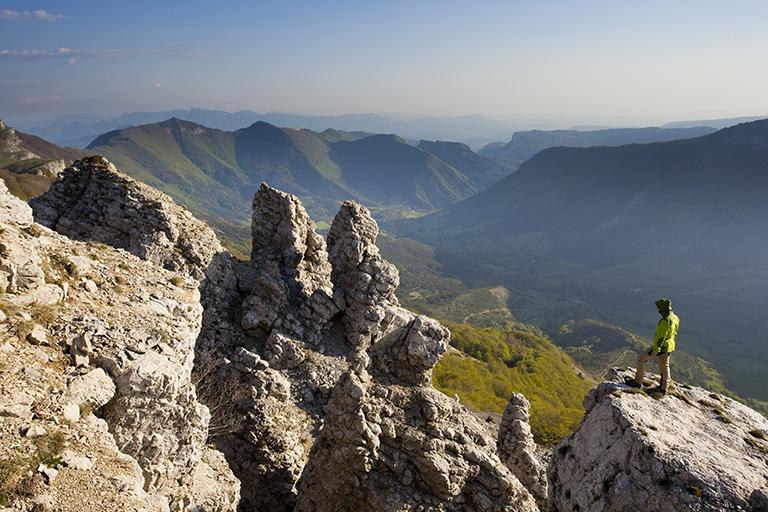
x,y
404,448
366,281
291,289
37,335
517,449
11,144
308,319
690,450
71,412
72,460
35,431
286,244
131,337
95,389
166,438
283,352
92,200
12,210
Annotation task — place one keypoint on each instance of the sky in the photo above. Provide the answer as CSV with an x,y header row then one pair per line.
x,y
611,62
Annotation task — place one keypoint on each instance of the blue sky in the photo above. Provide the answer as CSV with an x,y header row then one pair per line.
x,y
582,61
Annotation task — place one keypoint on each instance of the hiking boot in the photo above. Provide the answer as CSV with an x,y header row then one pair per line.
x,y
632,382
658,390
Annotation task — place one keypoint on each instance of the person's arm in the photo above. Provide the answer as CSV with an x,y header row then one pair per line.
x,y
663,333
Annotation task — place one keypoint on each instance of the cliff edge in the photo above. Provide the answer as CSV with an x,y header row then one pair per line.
x,y
690,450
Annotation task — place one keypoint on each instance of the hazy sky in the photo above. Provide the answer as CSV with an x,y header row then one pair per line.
x,y
616,61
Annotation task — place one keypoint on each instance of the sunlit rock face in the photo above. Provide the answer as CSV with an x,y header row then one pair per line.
x,y
689,450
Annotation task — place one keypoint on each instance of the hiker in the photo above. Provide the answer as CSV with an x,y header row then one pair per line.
x,y
663,346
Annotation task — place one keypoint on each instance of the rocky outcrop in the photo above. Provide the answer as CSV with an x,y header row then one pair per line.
x,y
93,201
12,145
292,290
690,450
367,281
113,337
404,448
303,357
276,367
517,449
51,169
383,438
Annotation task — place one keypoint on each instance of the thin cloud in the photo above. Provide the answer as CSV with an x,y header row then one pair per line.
x,y
36,100
37,15
70,54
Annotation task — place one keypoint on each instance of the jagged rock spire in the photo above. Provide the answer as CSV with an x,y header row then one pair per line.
x,y
517,449
292,290
366,281
285,242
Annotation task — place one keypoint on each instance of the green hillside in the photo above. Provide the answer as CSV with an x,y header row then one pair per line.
x,y
215,173
460,156
387,170
491,363
27,162
593,345
493,354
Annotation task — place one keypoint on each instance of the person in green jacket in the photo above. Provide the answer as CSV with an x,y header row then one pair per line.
x,y
663,346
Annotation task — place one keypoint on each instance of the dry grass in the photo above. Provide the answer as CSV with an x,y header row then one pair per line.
x,y
756,444
14,469
719,412
45,315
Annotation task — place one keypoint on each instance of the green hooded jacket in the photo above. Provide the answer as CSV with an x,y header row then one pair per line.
x,y
666,330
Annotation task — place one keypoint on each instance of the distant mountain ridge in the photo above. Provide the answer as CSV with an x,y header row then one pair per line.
x,y
716,123
215,172
601,232
471,129
526,144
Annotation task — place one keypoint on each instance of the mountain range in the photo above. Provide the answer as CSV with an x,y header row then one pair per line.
x,y
525,144
215,172
476,130
79,130
601,232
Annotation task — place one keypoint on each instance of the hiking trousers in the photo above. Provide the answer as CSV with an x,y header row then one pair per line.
x,y
662,360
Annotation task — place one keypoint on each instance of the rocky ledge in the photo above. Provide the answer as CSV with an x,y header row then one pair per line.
x,y
690,450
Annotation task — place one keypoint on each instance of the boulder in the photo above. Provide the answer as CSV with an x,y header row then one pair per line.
x,y
95,389
690,450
